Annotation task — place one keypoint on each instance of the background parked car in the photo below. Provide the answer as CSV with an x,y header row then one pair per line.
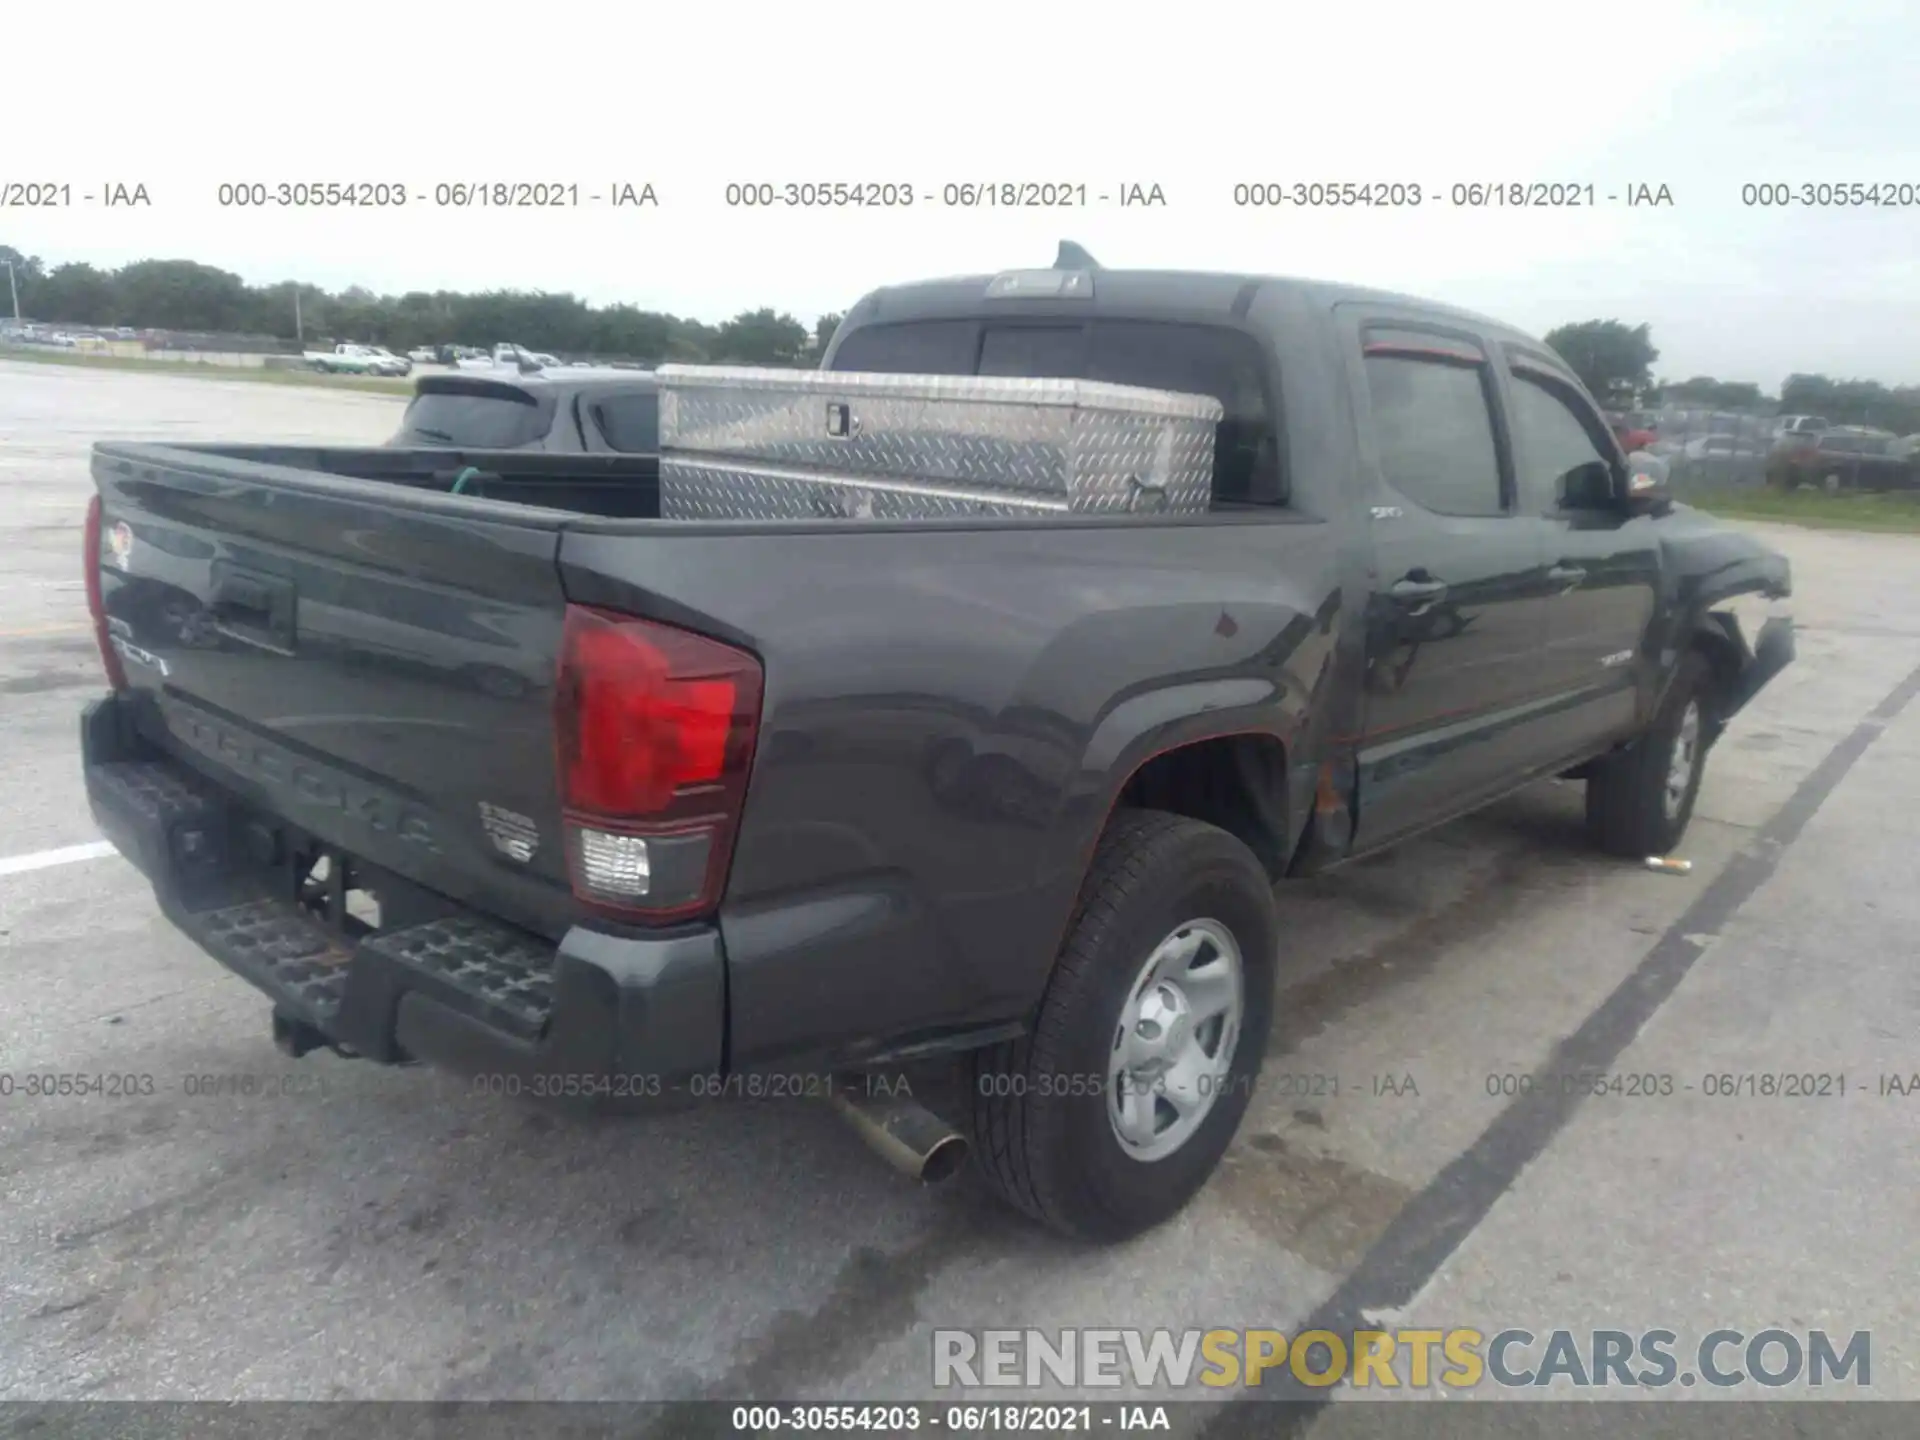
x,y
1708,446
505,356
351,359
1632,431
395,364
1792,425
597,410
1845,458
1718,461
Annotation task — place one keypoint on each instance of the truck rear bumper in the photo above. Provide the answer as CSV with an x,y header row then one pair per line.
x,y
633,1021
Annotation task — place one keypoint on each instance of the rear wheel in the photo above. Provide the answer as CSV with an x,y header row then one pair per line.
x,y
1112,1113
1640,799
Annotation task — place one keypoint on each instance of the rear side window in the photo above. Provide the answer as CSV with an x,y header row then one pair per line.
x,y
1433,428
630,423
495,420
1201,360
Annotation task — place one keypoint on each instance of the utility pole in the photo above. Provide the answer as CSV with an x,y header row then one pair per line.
x,y
14,286
299,331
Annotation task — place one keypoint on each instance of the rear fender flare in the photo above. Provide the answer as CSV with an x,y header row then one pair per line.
x,y
1145,727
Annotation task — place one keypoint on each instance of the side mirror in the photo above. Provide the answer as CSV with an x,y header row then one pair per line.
x,y
1649,484
1589,487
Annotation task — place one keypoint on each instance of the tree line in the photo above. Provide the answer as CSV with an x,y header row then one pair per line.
x,y
188,297
1614,359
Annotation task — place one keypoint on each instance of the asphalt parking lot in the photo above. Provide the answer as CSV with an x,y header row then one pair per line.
x,y
380,1233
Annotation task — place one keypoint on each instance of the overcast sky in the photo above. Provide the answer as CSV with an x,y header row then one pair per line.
x,y
1701,98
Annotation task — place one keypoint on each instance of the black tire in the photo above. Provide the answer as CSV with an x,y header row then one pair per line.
x,y
1038,1105
1627,813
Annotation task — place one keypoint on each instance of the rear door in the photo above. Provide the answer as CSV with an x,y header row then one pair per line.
x,y
1455,619
373,664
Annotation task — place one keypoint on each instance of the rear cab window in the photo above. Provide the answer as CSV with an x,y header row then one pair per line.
x,y
919,347
1186,357
479,417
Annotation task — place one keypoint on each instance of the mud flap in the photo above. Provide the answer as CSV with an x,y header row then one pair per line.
x,y
1773,651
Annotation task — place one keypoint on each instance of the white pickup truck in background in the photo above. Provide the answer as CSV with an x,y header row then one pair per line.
x,y
350,359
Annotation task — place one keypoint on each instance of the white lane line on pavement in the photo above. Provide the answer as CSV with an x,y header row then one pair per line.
x,y
33,631
46,859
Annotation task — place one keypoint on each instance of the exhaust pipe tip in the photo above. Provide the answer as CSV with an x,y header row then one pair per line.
x,y
946,1160
904,1133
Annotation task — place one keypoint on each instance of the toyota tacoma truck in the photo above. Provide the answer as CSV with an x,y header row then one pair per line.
x,y
472,758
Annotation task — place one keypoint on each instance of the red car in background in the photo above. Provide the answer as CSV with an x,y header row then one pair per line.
x,y
1632,437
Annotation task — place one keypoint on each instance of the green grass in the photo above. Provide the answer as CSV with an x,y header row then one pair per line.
x,y
1897,511
375,384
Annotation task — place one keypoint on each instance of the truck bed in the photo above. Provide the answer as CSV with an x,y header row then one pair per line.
x,y
622,486
334,639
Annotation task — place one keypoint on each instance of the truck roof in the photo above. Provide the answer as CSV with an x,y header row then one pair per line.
x,y
1187,292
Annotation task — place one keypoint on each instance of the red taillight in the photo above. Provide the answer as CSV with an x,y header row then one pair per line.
x,y
96,601
656,729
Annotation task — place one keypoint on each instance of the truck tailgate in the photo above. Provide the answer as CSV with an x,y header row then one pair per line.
x,y
372,663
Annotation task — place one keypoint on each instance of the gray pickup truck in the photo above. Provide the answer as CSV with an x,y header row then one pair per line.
x,y
473,758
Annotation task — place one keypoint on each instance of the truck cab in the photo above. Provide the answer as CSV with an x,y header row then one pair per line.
x,y
1517,623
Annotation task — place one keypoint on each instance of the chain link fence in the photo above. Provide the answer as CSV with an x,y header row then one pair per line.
x,y
1707,449
1720,450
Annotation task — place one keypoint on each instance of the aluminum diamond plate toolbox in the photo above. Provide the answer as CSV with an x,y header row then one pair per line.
x,y
756,444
